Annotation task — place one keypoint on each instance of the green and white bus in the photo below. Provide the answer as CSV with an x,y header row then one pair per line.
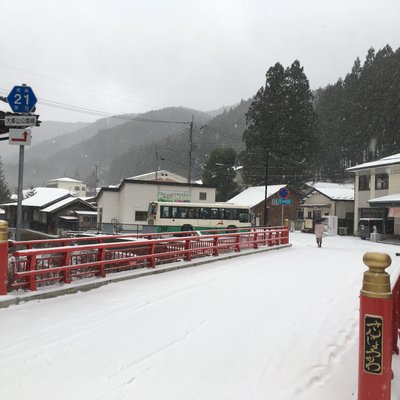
x,y
172,216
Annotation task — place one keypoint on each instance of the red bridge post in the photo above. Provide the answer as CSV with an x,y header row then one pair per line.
x,y
3,257
375,346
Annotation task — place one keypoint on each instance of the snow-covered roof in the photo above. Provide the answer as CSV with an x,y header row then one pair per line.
x,y
85,212
254,195
45,196
390,160
60,204
65,180
162,174
386,199
335,191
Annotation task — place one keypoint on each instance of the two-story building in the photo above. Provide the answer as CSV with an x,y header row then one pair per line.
x,y
52,211
72,185
326,199
377,192
124,207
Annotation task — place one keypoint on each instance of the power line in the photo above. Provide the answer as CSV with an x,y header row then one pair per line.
x,y
70,84
90,111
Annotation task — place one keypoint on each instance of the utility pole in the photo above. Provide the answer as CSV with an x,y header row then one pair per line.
x,y
190,149
20,186
95,179
157,163
266,189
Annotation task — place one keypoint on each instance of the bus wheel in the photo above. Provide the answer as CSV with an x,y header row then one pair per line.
x,y
231,227
186,227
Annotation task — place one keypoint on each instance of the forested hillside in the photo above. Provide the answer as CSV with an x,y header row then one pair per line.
x,y
359,116
172,151
75,154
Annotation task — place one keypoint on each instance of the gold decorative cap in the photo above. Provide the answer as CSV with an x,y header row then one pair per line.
x,y
376,282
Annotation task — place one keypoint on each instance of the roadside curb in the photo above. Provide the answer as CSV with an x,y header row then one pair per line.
x,y
15,299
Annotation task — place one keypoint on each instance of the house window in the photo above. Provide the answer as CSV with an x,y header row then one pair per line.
x,y
43,218
381,181
203,196
364,182
140,215
36,215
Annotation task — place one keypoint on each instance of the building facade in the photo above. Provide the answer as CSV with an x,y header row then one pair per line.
x,y
328,199
72,185
277,210
377,192
125,207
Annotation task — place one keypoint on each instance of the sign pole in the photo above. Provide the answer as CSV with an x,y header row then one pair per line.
x,y
20,185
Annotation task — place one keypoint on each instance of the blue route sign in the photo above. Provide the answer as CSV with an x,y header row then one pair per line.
x,y
22,99
283,193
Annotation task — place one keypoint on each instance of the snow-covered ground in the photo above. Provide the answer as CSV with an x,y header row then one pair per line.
x,y
281,325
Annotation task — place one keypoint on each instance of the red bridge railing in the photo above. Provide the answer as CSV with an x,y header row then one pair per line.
x,y
379,328
66,260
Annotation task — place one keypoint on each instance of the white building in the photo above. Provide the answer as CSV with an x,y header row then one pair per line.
x,y
377,192
161,175
124,208
72,185
327,199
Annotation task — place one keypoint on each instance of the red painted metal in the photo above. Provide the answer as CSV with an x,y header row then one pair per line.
x,y
378,318
376,386
78,258
3,266
395,317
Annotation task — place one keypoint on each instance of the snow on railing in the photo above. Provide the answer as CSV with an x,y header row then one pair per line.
x,y
69,259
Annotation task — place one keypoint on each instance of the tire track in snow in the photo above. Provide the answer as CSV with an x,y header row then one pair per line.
x,y
319,373
107,316
145,358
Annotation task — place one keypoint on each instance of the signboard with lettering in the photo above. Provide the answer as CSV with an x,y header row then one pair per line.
x,y
285,202
373,341
20,120
173,195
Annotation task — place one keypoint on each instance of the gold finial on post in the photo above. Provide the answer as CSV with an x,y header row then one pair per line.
x,y
3,231
376,282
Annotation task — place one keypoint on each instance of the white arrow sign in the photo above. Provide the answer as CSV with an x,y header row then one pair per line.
x,y
20,137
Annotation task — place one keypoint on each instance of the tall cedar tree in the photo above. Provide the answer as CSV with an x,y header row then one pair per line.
x,y
281,122
219,173
360,115
4,191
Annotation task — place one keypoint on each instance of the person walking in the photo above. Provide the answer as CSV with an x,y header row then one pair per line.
x,y
319,232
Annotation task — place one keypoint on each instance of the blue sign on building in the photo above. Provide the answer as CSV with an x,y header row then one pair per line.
x,y
22,99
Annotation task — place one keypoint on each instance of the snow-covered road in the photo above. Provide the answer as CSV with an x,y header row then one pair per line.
x,y
275,325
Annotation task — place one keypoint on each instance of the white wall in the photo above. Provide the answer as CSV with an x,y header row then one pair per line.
x,y
123,204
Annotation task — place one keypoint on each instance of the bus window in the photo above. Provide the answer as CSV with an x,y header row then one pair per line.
x,y
193,213
214,213
164,212
204,213
243,215
230,213
174,212
222,213
183,212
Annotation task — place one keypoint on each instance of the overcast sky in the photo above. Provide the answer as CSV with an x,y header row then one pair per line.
x,y
130,56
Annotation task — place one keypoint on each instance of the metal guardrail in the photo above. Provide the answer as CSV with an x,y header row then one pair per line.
x,y
75,258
